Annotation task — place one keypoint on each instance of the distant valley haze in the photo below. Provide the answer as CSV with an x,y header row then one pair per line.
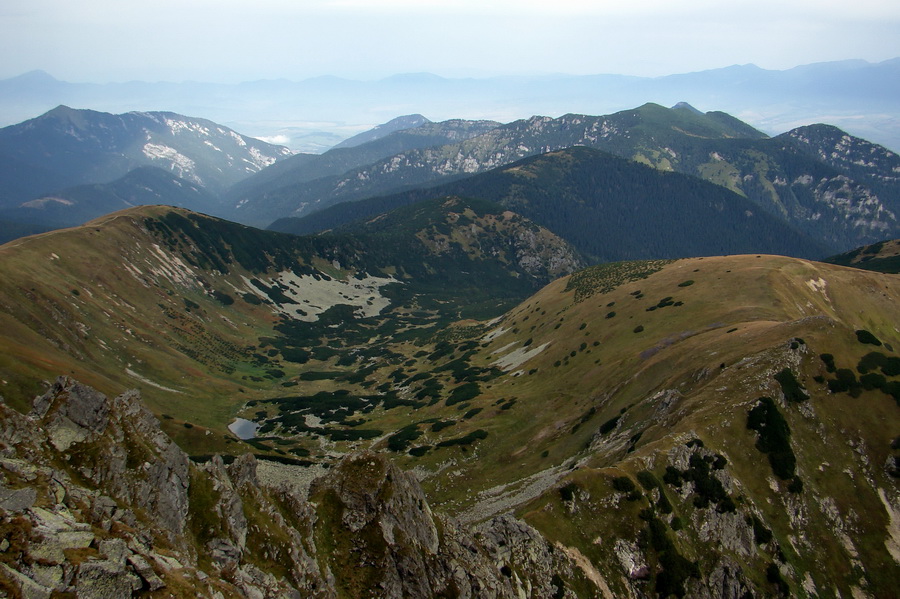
x,y
312,115
310,74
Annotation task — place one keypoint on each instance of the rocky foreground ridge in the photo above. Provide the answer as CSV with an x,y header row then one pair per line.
x,y
97,502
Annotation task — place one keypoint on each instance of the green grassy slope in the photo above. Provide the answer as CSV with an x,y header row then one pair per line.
x,y
619,410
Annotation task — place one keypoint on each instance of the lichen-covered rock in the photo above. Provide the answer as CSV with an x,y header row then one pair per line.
x,y
70,412
105,580
118,445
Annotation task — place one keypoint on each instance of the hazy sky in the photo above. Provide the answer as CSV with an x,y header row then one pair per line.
x,y
242,40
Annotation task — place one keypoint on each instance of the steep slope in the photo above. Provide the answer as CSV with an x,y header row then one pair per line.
x,y
609,208
142,186
79,518
836,200
190,306
621,412
401,123
263,188
624,133
85,146
883,256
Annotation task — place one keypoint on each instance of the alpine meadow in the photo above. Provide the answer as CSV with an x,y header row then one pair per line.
x,y
647,353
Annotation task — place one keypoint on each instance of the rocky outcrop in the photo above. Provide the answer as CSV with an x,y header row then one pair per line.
x,y
118,445
95,500
379,523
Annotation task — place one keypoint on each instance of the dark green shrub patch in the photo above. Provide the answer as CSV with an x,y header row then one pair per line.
x,y
314,375
864,336
251,298
773,437
773,575
845,382
663,502
623,484
761,534
708,489
828,359
676,569
889,365
441,425
647,480
567,492
664,303
471,413
465,440
872,380
791,387
463,393
673,477
687,283
508,404
402,439
223,298
609,425
893,466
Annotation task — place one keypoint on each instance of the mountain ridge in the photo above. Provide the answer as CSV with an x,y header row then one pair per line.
x,y
610,209
633,390
87,146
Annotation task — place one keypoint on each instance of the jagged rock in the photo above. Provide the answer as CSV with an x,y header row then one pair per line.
x,y
242,471
387,541
224,553
726,581
118,445
632,560
52,577
229,507
725,530
145,571
374,491
70,412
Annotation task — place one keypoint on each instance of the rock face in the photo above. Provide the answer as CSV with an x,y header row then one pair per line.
x,y
378,522
118,444
96,501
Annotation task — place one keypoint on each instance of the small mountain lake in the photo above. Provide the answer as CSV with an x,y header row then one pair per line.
x,y
244,429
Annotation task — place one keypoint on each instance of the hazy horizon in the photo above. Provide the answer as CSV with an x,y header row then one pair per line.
x,y
230,42
460,75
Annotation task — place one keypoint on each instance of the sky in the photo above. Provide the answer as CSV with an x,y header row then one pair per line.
x,y
230,41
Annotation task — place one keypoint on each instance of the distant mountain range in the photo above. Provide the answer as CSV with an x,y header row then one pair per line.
x,y
840,190
68,166
315,114
607,207
812,192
